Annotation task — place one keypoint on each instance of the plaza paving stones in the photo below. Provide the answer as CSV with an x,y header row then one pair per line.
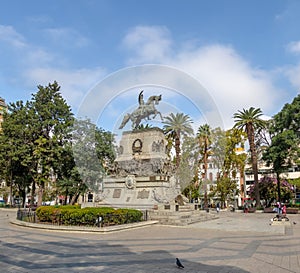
x,y
235,242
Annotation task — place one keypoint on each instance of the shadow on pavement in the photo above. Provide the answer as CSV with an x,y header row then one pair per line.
x,y
91,256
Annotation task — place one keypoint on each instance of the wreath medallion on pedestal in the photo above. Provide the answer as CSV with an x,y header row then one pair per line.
x,y
130,181
137,146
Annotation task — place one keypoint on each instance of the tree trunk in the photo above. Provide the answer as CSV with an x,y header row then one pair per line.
x,y
74,198
250,133
278,186
205,159
40,194
66,197
242,182
32,193
23,195
177,149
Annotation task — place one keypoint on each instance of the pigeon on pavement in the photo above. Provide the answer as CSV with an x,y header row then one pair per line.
x,y
178,263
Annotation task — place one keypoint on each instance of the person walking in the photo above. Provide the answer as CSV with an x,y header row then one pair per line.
x,y
284,210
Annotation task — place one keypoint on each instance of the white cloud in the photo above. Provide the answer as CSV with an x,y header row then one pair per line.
x,y
67,37
30,54
292,72
39,66
230,80
40,19
74,83
294,47
34,57
293,75
148,44
9,35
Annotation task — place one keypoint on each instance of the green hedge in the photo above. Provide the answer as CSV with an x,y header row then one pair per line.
x,y
70,215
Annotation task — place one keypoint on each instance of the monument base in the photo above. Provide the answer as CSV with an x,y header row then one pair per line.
x,y
142,175
139,192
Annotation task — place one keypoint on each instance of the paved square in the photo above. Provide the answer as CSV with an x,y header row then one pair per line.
x,y
235,242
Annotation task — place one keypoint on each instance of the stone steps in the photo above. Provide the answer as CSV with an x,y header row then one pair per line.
x,y
185,215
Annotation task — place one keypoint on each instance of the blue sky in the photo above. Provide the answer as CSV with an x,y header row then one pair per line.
x,y
244,53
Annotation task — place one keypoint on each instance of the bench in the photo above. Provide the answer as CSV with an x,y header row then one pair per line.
x,y
292,210
268,210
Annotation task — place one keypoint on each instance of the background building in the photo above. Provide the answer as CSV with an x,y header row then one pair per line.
x,y
3,109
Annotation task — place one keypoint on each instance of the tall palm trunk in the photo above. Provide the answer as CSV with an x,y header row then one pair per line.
x,y
205,159
177,149
250,134
250,121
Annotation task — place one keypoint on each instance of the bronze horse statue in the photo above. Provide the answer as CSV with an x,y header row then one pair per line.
x,y
145,110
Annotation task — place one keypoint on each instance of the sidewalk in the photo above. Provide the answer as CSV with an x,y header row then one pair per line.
x,y
234,243
227,221
246,222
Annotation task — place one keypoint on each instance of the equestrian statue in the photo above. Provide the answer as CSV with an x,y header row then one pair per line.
x,y
145,110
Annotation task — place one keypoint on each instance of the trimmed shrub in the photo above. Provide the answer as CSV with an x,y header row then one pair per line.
x,y
70,215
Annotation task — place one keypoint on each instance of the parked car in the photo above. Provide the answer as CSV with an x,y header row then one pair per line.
x,y
2,203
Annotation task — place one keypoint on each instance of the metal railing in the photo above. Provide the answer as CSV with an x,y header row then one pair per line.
x,y
26,216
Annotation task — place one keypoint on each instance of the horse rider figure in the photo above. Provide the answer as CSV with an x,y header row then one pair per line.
x,y
141,103
145,110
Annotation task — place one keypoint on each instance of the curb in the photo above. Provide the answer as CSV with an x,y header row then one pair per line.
x,y
83,229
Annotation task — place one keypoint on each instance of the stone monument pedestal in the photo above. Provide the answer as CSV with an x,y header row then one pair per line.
x,y
142,175
140,192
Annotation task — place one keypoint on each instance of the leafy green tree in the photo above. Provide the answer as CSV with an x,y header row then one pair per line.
x,y
93,150
34,136
295,182
250,121
177,126
268,189
16,149
225,188
105,148
284,150
234,161
218,147
51,126
68,182
187,171
191,191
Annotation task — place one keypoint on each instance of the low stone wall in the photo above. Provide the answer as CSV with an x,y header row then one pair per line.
x,y
268,210
292,210
288,210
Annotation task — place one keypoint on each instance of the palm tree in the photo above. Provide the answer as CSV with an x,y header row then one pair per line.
x,y
205,140
177,126
142,127
250,121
